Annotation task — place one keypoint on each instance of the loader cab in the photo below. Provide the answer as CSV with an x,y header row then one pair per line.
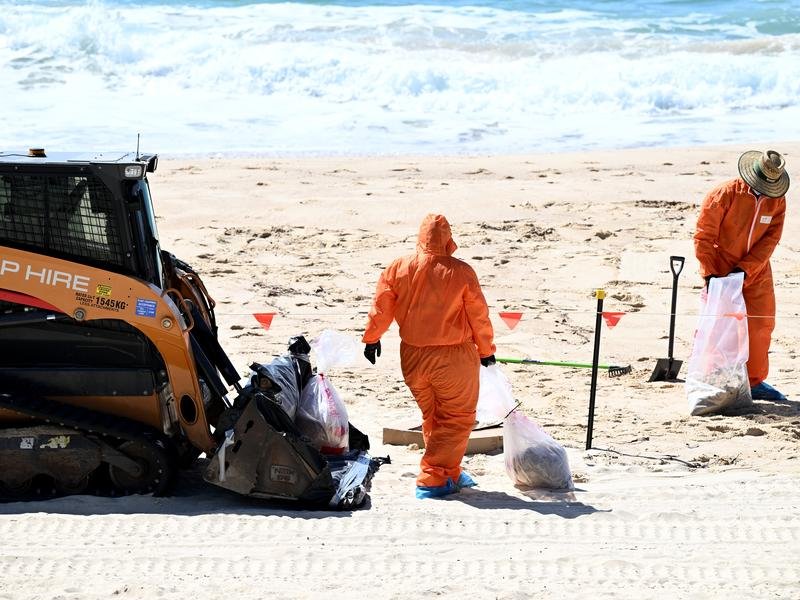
x,y
96,210
92,209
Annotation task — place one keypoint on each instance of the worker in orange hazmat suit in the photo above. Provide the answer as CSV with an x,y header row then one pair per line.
x,y
739,226
446,335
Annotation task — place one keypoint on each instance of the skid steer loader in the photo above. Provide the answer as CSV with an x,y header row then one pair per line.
x,y
111,374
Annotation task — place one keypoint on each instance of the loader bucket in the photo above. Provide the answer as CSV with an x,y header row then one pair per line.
x,y
264,462
264,456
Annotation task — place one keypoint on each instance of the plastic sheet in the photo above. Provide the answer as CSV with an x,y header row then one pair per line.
x,y
495,398
334,349
221,453
283,372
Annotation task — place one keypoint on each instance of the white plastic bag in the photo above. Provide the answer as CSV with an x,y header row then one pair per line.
x,y
335,349
533,458
495,399
716,376
322,416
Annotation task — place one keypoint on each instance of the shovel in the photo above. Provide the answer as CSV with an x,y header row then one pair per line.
x,y
667,368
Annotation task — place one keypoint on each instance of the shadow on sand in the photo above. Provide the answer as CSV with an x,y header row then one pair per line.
x,y
544,502
786,408
190,496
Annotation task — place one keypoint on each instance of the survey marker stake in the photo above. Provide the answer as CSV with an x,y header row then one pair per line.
x,y
598,326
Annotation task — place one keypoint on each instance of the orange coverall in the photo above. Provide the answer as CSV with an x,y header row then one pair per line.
x,y
737,229
444,330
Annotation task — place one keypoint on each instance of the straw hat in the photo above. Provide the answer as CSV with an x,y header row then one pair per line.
x,y
764,172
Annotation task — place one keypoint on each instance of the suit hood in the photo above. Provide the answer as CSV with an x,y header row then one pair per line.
x,y
435,236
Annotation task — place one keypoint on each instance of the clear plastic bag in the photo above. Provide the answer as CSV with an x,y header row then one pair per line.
x,y
282,371
495,398
335,349
322,416
533,458
716,376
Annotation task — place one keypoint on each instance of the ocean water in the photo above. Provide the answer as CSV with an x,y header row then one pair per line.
x,y
432,77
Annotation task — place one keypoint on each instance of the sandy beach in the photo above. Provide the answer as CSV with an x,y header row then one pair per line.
x,y
666,505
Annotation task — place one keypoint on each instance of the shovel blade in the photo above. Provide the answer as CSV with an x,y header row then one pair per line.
x,y
666,369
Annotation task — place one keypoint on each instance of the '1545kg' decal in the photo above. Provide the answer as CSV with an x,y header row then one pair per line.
x,y
101,302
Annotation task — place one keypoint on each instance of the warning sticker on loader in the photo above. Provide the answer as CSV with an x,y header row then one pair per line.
x,y
145,308
57,442
282,474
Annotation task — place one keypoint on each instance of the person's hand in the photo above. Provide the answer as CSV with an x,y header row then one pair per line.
x,y
488,360
738,270
372,350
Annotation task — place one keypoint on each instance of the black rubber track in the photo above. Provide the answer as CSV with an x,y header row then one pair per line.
x,y
115,429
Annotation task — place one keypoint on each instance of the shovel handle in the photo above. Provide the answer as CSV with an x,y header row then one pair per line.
x,y
676,265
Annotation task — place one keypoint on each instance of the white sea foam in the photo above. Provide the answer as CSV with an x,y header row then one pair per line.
x,y
310,78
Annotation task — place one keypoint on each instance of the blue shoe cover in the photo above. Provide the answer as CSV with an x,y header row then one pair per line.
x,y
764,391
436,491
465,481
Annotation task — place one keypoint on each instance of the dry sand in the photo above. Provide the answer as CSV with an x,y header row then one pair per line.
x,y
666,505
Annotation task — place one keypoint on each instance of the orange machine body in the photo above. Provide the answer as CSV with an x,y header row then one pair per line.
x,y
86,293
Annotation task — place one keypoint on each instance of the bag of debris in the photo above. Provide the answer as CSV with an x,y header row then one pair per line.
x,y
533,458
279,381
322,416
284,377
717,379
495,399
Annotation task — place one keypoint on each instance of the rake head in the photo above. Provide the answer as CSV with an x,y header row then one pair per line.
x,y
618,371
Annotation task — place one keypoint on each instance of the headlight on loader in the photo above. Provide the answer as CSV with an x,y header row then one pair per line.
x,y
133,171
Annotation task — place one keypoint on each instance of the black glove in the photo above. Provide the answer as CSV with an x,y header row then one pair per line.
x,y
488,360
738,270
708,278
372,350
